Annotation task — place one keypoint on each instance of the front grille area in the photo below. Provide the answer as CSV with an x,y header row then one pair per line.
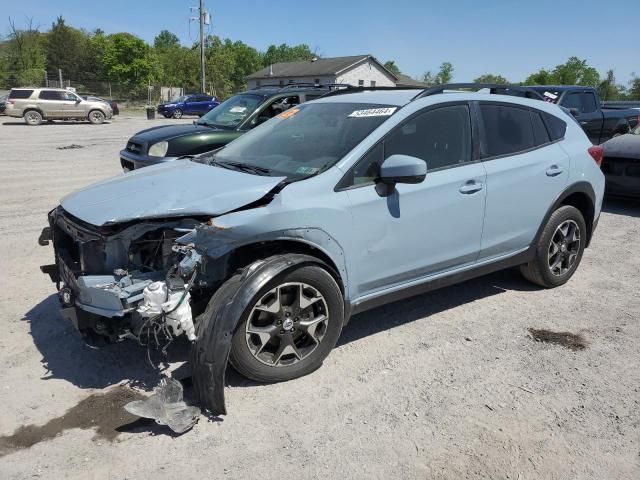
x,y
134,147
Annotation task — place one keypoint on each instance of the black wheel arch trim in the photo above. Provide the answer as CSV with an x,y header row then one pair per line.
x,y
226,320
578,187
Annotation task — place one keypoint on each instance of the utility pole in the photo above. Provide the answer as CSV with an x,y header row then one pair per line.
x,y
203,19
60,77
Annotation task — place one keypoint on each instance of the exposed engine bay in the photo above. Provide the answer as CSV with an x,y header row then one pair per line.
x,y
128,280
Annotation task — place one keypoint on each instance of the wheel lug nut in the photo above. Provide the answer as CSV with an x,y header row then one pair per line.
x,y
281,331
296,319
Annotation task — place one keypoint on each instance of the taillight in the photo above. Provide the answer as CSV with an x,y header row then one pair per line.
x,y
597,152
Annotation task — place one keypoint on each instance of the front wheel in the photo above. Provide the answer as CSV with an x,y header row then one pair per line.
x,y
96,117
559,250
177,113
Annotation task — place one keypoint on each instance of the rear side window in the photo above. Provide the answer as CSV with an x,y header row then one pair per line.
x,y
540,134
556,127
50,95
507,130
20,93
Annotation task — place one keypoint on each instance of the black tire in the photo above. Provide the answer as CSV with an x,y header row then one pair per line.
x,y
32,117
166,115
177,113
539,270
249,366
96,117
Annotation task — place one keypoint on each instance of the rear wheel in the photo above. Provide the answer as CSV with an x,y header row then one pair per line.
x,y
32,117
559,250
177,113
96,117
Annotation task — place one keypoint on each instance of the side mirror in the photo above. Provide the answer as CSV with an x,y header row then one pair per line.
x,y
399,169
403,169
575,112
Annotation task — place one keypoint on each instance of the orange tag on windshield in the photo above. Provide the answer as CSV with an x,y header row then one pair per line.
x,y
289,113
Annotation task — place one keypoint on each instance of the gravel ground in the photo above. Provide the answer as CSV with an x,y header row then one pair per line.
x,y
445,385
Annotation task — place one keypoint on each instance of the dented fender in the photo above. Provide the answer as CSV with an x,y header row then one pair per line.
x,y
216,326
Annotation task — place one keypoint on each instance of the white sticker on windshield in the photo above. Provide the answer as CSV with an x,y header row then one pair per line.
x,y
373,112
237,109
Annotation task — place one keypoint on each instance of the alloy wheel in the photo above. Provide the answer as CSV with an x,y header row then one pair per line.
x,y
564,248
287,324
96,117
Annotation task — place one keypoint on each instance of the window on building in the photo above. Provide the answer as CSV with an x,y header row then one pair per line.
x,y
373,83
290,81
281,83
316,81
361,83
258,83
507,130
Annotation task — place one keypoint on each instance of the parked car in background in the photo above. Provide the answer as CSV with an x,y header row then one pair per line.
x,y
270,244
3,103
600,124
621,164
194,104
37,104
112,103
232,118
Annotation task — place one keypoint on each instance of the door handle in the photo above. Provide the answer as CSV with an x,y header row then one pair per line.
x,y
583,123
554,171
471,187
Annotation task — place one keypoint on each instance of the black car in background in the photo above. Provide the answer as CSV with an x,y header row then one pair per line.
x,y
3,103
226,122
621,164
112,103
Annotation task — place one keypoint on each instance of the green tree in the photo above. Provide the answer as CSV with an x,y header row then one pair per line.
x,y
65,50
285,53
444,75
608,90
576,72
128,59
392,67
165,40
491,78
24,56
541,77
633,92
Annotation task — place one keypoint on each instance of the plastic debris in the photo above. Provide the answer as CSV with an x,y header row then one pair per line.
x,y
166,407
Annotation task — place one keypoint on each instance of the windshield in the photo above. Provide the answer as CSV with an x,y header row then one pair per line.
x,y
304,140
232,112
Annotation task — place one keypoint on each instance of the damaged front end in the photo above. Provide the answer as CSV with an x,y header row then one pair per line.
x,y
114,281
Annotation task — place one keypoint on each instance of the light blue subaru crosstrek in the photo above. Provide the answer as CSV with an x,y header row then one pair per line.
x,y
260,251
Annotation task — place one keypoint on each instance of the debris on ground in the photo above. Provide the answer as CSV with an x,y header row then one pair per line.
x,y
166,407
71,147
569,340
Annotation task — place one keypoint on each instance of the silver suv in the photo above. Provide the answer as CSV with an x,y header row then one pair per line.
x,y
38,104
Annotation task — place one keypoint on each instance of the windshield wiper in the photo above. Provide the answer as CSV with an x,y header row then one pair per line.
x,y
245,167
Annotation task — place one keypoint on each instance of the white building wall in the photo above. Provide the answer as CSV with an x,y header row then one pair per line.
x,y
367,72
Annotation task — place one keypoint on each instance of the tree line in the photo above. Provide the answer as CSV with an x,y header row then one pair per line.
x,y
574,71
29,55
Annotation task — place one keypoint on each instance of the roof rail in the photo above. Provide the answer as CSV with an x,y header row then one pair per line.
x,y
293,86
354,89
494,88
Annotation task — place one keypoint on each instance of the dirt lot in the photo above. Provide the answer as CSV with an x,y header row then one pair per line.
x,y
446,385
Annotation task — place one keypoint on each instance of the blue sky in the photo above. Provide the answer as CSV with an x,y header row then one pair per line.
x,y
508,37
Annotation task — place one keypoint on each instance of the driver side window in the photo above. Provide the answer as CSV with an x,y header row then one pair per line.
x,y
276,108
441,137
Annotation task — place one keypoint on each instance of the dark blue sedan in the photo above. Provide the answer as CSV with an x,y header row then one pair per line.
x,y
194,104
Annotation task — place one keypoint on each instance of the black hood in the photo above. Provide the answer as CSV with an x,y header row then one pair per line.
x,y
167,132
